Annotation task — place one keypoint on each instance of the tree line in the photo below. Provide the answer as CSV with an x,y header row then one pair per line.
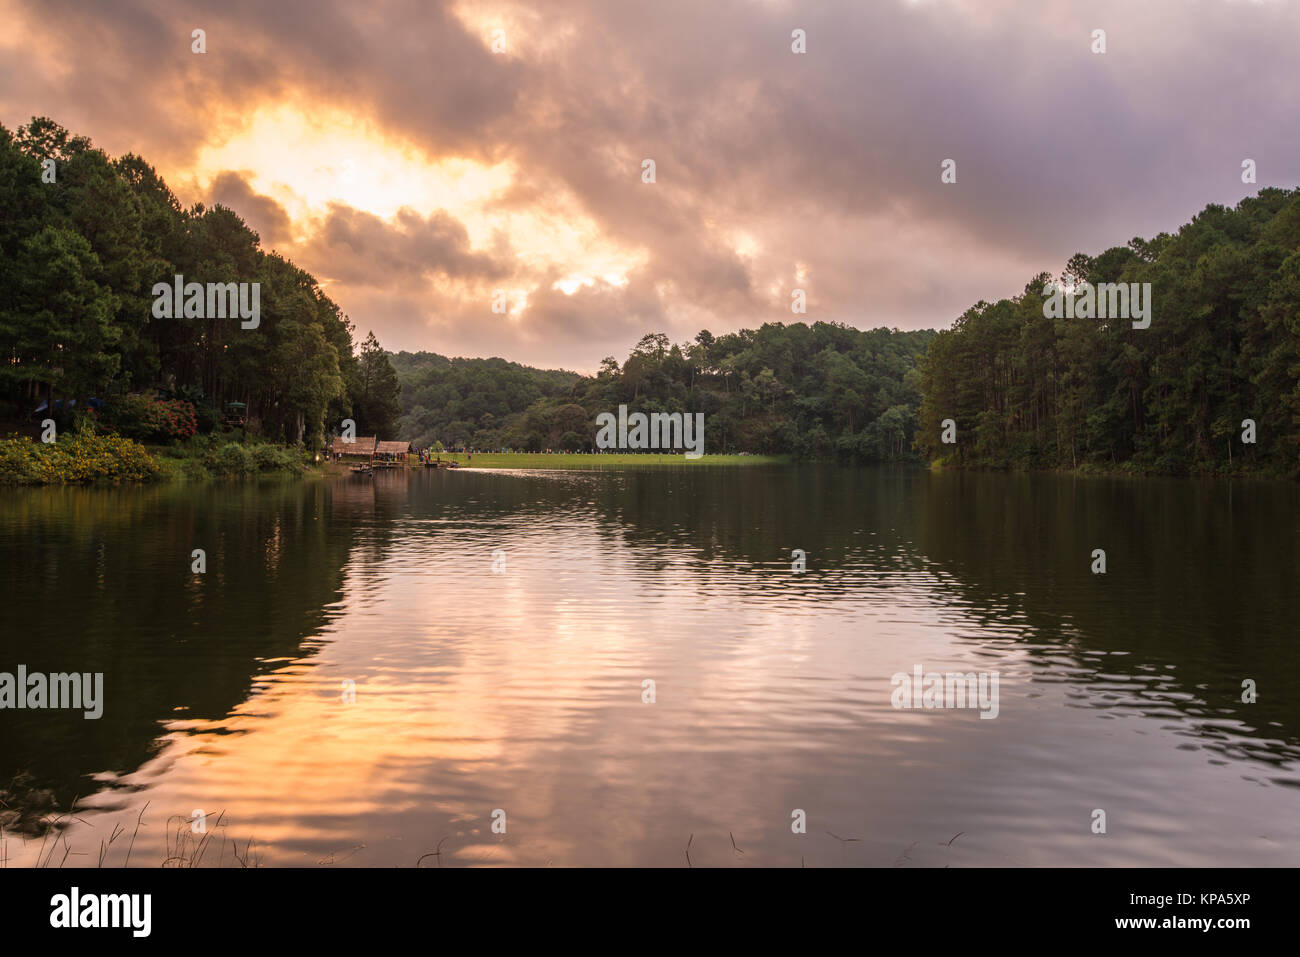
x,y
1212,384
814,391
84,239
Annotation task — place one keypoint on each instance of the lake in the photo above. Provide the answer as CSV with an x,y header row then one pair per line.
x,y
626,668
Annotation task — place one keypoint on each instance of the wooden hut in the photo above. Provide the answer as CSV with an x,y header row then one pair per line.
x,y
391,454
362,448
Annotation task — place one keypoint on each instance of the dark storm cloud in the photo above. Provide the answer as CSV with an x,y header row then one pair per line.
x,y
828,161
595,313
262,213
407,63
360,248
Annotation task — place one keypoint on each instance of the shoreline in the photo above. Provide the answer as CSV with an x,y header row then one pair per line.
x,y
110,460
596,462
1119,471
104,460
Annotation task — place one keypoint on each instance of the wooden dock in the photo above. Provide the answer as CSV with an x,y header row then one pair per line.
x,y
409,461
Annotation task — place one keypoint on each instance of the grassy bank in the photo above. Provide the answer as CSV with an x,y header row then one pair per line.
x,y
564,460
86,458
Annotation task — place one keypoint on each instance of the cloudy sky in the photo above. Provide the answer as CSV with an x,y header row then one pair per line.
x,y
386,147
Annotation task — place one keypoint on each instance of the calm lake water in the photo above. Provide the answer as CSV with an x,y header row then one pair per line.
x,y
521,689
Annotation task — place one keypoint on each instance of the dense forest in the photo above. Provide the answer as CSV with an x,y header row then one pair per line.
x,y
83,241
820,391
1223,346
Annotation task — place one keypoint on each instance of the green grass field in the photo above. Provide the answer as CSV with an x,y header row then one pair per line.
x,y
530,460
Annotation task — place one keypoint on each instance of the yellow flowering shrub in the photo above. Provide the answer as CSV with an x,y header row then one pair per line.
x,y
76,459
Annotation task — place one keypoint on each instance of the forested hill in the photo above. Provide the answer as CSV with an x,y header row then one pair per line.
x,y
824,390
452,401
1223,346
